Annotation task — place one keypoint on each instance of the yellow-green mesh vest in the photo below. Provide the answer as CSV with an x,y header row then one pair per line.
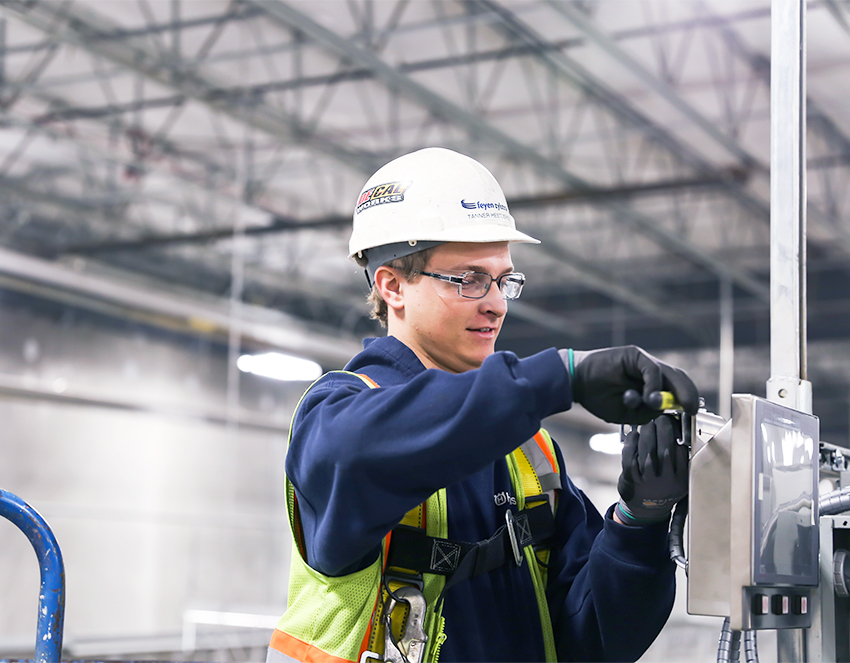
x,y
332,619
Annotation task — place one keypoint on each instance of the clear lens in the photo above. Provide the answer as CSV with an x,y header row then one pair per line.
x,y
511,285
475,285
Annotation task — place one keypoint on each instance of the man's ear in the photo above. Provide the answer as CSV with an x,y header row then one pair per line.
x,y
389,284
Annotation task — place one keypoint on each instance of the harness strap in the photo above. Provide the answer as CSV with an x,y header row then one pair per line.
x,y
458,560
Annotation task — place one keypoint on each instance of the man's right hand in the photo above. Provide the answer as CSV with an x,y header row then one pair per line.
x,y
600,378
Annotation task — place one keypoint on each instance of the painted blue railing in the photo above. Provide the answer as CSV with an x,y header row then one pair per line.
x,y
51,599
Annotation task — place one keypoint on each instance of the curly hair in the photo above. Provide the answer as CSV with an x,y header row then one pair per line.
x,y
408,266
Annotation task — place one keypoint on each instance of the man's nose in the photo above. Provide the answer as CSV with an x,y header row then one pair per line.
x,y
493,302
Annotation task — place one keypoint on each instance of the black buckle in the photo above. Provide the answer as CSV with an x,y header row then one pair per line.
x,y
414,579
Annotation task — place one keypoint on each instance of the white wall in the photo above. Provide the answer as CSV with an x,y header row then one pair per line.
x,y
155,512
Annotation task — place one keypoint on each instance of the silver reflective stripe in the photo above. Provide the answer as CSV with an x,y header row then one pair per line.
x,y
537,458
275,656
550,481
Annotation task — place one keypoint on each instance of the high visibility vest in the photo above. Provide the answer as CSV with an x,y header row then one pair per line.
x,y
339,619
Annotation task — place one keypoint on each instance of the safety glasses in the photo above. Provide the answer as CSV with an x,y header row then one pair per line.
x,y
476,285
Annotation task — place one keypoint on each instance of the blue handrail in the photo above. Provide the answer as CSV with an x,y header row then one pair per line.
x,y
51,600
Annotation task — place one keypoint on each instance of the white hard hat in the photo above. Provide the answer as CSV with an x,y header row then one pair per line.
x,y
426,198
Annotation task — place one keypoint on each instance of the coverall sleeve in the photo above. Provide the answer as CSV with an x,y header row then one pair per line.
x,y
611,586
360,458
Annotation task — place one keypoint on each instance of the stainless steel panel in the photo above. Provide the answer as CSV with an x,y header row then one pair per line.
x,y
709,526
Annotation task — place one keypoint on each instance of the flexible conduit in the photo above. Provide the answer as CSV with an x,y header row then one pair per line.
x,y
677,535
835,502
729,647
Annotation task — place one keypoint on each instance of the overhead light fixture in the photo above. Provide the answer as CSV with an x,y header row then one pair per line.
x,y
280,367
606,443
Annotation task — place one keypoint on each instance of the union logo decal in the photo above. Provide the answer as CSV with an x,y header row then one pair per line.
x,y
391,192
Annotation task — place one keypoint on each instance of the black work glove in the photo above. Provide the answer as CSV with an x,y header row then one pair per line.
x,y
655,472
600,378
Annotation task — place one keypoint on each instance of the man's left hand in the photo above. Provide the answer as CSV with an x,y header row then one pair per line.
x,y
655,472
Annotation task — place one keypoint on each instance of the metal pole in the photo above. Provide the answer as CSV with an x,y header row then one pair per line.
x,y
234,345
51,598
727,348
788,384
2,56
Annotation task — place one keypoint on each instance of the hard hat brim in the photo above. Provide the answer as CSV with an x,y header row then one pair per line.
x,y
477,234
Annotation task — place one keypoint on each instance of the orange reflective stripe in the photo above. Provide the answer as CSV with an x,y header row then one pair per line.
x,y
367,636
544,447
368,380
372,632
300,650
386,550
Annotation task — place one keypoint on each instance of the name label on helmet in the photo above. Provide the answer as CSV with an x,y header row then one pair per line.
x,y
391,192
482,205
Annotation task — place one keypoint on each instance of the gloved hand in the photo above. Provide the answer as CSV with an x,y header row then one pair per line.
x,y
655,472
601,377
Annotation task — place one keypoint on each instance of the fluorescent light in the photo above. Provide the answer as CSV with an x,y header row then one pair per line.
x,y
280,366
606,443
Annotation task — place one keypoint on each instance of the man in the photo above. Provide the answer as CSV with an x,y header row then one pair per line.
x,y
431,514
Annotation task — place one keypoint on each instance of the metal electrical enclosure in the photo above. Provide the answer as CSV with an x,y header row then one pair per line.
x,y
753,534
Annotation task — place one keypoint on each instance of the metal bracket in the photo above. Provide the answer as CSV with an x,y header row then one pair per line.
x,y
511,521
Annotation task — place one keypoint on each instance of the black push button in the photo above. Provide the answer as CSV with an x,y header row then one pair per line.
x,y
780,604
761,604
801,605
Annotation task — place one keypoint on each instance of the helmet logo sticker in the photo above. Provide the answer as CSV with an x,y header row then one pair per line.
x,y
391,192
485,210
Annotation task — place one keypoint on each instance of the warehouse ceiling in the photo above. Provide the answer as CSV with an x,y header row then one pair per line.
x,y
213,150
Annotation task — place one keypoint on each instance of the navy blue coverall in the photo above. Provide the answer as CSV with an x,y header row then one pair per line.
x,y
360,458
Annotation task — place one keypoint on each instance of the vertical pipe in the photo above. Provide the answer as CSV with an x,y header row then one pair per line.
x,y
234,345
787,384
727,349
788,372
245,177
51,598
175,31
2,57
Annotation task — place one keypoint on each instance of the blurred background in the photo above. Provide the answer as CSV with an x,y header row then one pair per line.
x,y
177,183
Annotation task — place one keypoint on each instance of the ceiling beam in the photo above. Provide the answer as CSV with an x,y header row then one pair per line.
x,y
90,31
657,86
480,130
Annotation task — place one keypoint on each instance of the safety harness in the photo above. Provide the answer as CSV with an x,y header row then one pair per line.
x,y
461,560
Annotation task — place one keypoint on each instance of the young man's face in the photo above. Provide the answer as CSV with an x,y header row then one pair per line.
x,y
445,330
